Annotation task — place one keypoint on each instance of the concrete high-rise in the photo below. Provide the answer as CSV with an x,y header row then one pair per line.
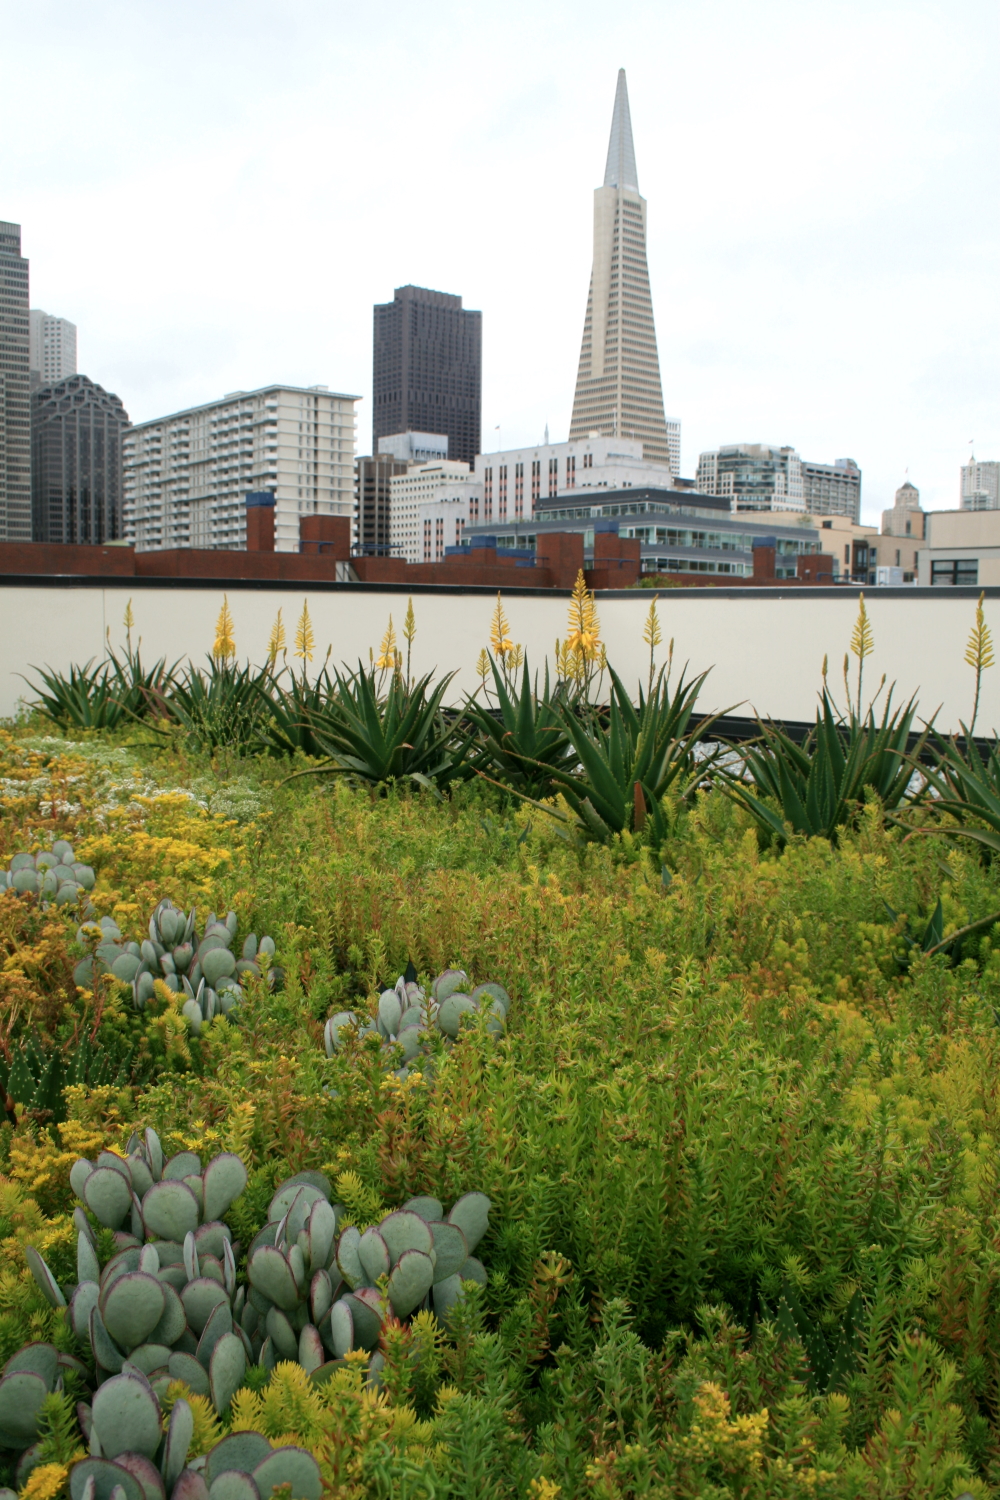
x,y
618,391
980,485
15,404
832,489
753,476
76,462
187,475
52,348
427,369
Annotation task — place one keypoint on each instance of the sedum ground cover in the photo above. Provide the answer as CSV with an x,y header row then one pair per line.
x,y
739,1138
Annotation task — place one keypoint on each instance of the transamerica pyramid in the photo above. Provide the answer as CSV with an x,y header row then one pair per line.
x,y
618,391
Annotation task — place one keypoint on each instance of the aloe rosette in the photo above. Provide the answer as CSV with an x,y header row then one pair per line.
x,y
405,1018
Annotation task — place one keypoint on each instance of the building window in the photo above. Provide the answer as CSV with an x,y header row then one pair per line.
x,y
536,482
553,476
957,570
519,492
588,460
427,541
502,493
570,473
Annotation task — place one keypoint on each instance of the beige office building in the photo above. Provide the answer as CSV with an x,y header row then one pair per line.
x,y
618,391
187,476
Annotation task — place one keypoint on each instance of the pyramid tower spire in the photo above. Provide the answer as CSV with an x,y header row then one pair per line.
x,y
618,391
620,170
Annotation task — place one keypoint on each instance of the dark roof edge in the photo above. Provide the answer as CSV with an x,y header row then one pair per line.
x,y
271,585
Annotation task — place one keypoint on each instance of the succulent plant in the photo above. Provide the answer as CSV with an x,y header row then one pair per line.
x,y
314,1294
204,971
30,1375
405,1018
166,1303
132,1458
53,874
242,1466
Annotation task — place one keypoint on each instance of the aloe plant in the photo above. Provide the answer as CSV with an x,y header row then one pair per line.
x,y
965,782
227,706
629,759
817,787
401,734
528,740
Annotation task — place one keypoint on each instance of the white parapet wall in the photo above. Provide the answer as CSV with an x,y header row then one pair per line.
x,y
765,647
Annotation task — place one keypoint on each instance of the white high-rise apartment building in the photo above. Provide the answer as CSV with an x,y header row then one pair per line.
x,y
449,478
618,391
52,342
187,475
981,485
516,480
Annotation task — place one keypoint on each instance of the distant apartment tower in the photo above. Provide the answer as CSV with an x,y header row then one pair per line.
x,y
427,369
186,475
753,476
53,348
618,391
15,404
76,462
980,485
832,489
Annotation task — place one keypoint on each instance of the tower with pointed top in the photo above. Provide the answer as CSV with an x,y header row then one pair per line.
x,y
618,391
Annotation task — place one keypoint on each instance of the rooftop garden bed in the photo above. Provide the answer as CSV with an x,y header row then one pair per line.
x,y
535,1101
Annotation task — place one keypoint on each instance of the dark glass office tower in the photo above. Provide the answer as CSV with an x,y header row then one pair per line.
x,y
427,369
15,408
76,462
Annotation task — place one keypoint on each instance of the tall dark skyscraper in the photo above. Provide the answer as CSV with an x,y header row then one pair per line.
x,y
76,462
15,408
427,369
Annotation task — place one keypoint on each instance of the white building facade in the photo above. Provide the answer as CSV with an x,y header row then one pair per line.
x,y
186,475
415,447
424,484
980,485
441,522
52,348
753,476
516,480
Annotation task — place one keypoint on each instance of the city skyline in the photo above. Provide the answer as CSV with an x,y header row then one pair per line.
x,y
811,286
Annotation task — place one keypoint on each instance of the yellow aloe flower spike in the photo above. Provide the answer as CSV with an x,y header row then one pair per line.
x,y
305,639
276,642
979,654
500,631
651,630
862,642
386,659
483,664
584,635
225,645
409,631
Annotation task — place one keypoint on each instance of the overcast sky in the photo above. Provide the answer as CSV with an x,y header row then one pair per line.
x,y
216,193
